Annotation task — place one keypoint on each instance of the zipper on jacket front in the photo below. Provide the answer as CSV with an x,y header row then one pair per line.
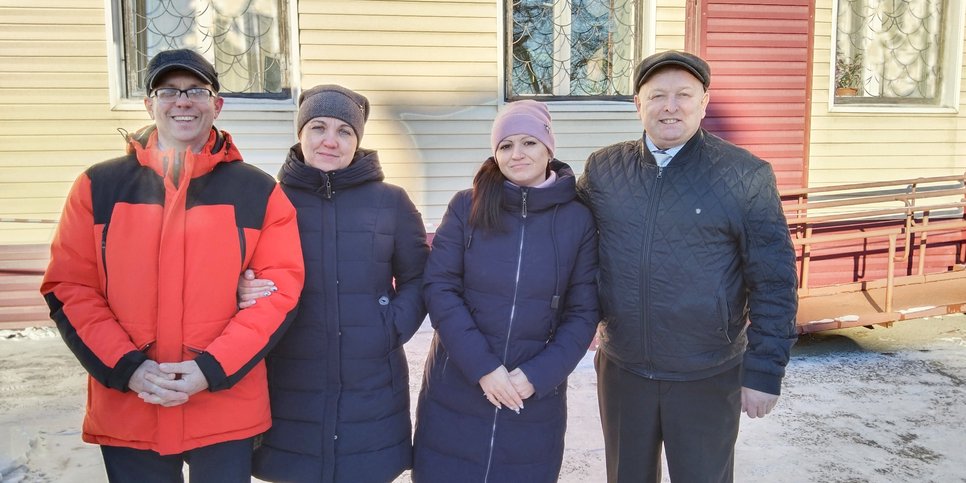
x,y
104,254
242,245
523,209
516,288
326,189
509,328
652,205
329,319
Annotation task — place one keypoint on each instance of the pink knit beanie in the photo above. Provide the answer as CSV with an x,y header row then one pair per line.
x,y
523,117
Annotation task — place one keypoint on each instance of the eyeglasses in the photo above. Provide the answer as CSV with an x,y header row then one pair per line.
x,y
170,94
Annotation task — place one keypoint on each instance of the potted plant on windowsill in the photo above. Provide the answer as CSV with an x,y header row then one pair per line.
x,y
848,75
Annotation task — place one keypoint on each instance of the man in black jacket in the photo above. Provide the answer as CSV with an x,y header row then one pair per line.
x,y
693,246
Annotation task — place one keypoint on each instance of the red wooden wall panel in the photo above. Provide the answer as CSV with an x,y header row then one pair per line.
x,y
760,57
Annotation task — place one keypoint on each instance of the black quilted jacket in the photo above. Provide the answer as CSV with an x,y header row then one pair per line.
x,y
688,253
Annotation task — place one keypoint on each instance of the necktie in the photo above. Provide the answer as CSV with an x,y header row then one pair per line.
x,y
662,157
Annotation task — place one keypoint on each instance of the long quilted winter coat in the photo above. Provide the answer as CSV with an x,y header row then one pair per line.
x,y
338,380
522,298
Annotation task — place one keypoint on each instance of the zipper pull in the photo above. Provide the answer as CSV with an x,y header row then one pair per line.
x,y
660,171
523,211
326,189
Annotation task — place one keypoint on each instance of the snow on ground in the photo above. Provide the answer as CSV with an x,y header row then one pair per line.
x,y
859,405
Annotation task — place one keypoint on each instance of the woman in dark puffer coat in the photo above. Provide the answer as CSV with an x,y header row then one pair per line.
x,y
338,379
511,290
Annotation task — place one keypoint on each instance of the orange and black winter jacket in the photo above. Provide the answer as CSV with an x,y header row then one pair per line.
x,y
146,267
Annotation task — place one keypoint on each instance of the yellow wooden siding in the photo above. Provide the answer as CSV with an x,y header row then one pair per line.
x,y
670,18
432,72
52,64
848,147
431,69
56,116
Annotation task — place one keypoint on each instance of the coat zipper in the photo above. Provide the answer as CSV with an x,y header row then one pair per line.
x,y
509,328
329,444
328,185
242,244
104,254
652,205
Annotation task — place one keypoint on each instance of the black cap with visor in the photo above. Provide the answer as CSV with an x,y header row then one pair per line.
x,y
180,59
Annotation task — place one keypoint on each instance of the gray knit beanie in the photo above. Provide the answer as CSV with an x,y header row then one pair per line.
x,y
334,101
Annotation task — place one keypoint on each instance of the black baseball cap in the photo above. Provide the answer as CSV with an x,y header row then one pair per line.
x,y
180,59
690,62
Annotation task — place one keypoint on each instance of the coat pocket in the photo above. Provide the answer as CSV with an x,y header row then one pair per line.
x,y
388,322
399,370
724,316
198,335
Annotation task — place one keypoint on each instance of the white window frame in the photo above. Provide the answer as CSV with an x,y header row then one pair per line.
x,y
952,59
113,21
648,46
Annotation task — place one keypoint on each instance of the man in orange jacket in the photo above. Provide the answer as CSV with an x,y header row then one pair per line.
x,y
141,285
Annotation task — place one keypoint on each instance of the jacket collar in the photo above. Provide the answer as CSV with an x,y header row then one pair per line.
x,y
364,168
218,149
539,199
682,157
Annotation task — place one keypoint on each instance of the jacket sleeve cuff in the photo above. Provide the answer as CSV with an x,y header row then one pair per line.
x,y
541,387
480,370
213,372
121,374
763,382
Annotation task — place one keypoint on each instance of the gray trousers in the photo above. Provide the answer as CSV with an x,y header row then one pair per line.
x,y
697,422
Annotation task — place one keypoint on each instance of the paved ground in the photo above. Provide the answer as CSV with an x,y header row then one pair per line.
x,y
859,405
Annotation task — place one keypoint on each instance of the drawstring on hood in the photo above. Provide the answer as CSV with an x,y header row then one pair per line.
x,y
555,299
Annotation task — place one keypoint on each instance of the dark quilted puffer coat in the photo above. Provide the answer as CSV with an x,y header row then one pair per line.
x,y
522,298
338,380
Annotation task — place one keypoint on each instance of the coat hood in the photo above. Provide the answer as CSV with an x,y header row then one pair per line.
x,y
539,199
218,149
364,168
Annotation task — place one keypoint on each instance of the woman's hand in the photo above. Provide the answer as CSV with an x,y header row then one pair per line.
x,y
498,389
521,383
250,289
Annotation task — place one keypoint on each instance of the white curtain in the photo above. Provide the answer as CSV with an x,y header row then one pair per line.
x,y
900,43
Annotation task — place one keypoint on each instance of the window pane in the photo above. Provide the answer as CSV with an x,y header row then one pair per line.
x,y
245,41
532,48
572,47
889,51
